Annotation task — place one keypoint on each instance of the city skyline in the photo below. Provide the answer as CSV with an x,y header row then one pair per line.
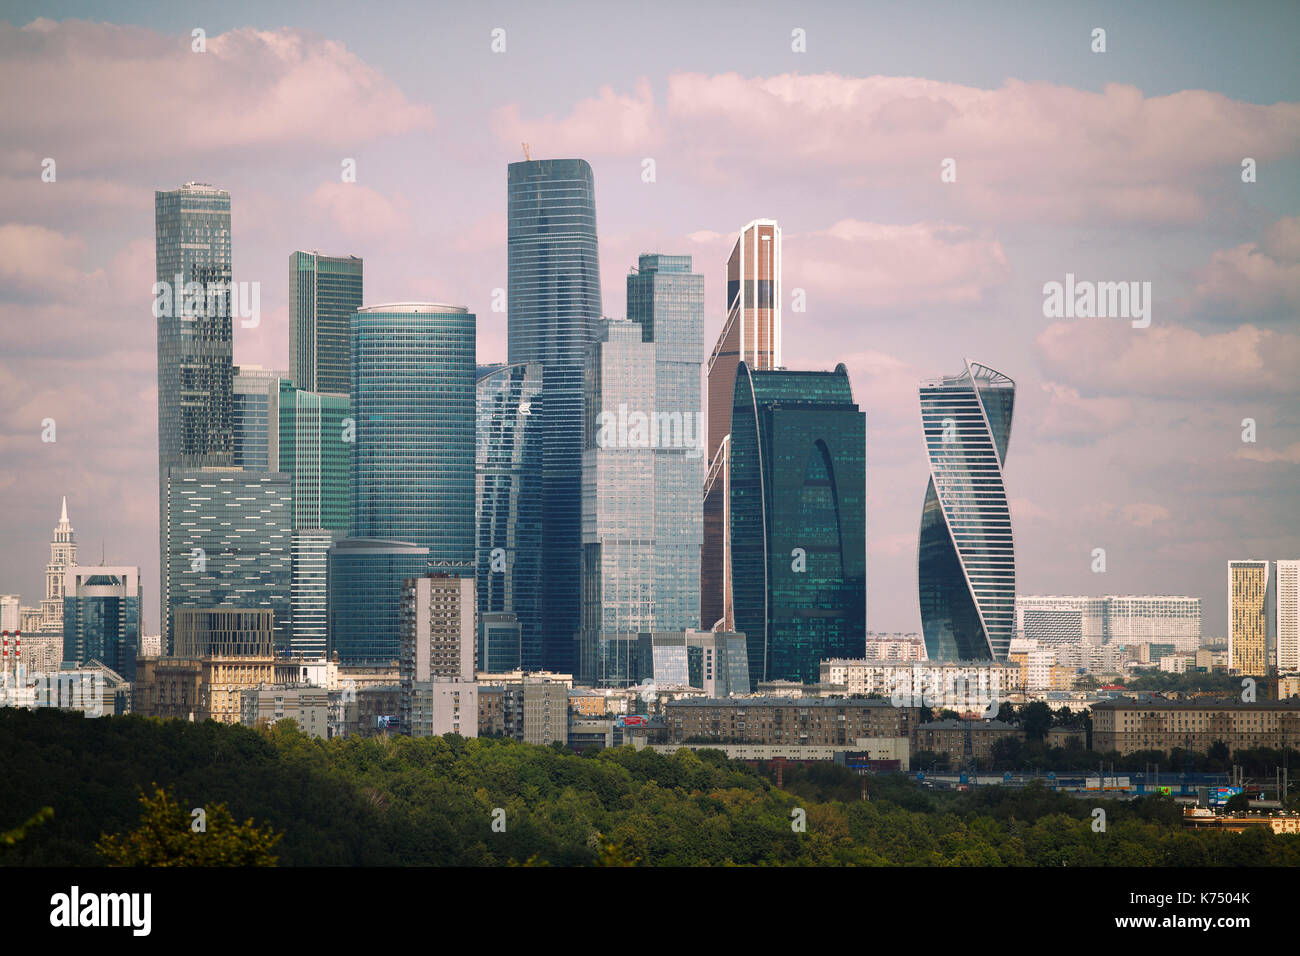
x,y
1107,455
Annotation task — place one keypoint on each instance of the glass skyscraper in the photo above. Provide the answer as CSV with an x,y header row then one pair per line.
x,y
324,291
229,539
313,446
798,520
195,374
750,334
365,597
667,300
966,565
413,396
554,305
509,496
101,617
253,406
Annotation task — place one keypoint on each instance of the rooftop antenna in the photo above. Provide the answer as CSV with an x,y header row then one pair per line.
x,y
527,158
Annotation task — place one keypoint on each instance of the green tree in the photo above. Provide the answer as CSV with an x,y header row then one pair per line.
x,y
10,837
1036,718
168,836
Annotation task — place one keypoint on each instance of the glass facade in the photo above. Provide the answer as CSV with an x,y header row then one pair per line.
x,y
228,533
554,305
308,597
412,470
314,447
667,300
966,567
798,521
101,617
195,373
365,598
324,291
750,334
500,643
509,502
253,405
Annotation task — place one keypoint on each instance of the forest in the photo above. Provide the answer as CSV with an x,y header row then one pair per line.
x,y
71,794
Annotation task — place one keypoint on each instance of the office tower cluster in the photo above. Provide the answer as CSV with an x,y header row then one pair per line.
x,y
1264,617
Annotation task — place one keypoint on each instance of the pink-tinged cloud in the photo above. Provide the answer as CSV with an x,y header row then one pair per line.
x,y
359,212
34,259
1289,455
1106,356
1068,417
608,124
1255,279
93,94
1023,152
1136,514
882,266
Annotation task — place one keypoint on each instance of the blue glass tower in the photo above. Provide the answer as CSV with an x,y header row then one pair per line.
x,y
412,469
509,494
798,520
365,597
966,565
554,305
101,617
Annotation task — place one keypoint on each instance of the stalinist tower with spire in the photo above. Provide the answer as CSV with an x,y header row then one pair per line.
x,y
63,555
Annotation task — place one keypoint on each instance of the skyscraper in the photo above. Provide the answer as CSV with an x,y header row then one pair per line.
x,y
63,555
1252,621
193,309
509,501
667,300
324,291
966,566
554,305
1288,616
229,536
101,617
798,520
412,470
618,498
254,403
438,694
751,334
313,443
365,597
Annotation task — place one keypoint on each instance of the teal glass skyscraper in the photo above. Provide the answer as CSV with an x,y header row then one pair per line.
x,y
324,291
554,305
312,437
966,564
509,502
256,393
365,597
798,520
101,617
192,305
412,468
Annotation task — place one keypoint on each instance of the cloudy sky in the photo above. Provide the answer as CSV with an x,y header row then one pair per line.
x,y
1123,165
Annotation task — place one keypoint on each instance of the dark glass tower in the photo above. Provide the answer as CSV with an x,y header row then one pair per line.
x,y
193,311
324,291
798,520
509,498
966,564
412,470
554,276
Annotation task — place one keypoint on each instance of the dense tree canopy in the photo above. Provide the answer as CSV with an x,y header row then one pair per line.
x,y
452,801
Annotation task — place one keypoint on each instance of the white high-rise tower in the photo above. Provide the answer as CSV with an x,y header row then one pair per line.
x,y
63,555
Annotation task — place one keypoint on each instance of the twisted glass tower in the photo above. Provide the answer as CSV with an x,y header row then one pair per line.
x,y
966,565
554,305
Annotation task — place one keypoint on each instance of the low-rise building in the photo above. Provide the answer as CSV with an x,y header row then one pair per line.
x,y
784,721
1126,726
966,743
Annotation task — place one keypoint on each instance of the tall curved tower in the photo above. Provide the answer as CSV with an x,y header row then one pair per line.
x,y
966,564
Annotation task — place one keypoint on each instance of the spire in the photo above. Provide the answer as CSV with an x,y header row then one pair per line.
x,y
63,518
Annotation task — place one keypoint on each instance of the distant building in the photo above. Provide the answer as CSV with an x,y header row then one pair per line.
x,y
224,632
63,555
1127,726
772,720
966,743
500,643
307,706
439,633
1288,616
954,685
312,438
715,662
101,617
1252,621
198,689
